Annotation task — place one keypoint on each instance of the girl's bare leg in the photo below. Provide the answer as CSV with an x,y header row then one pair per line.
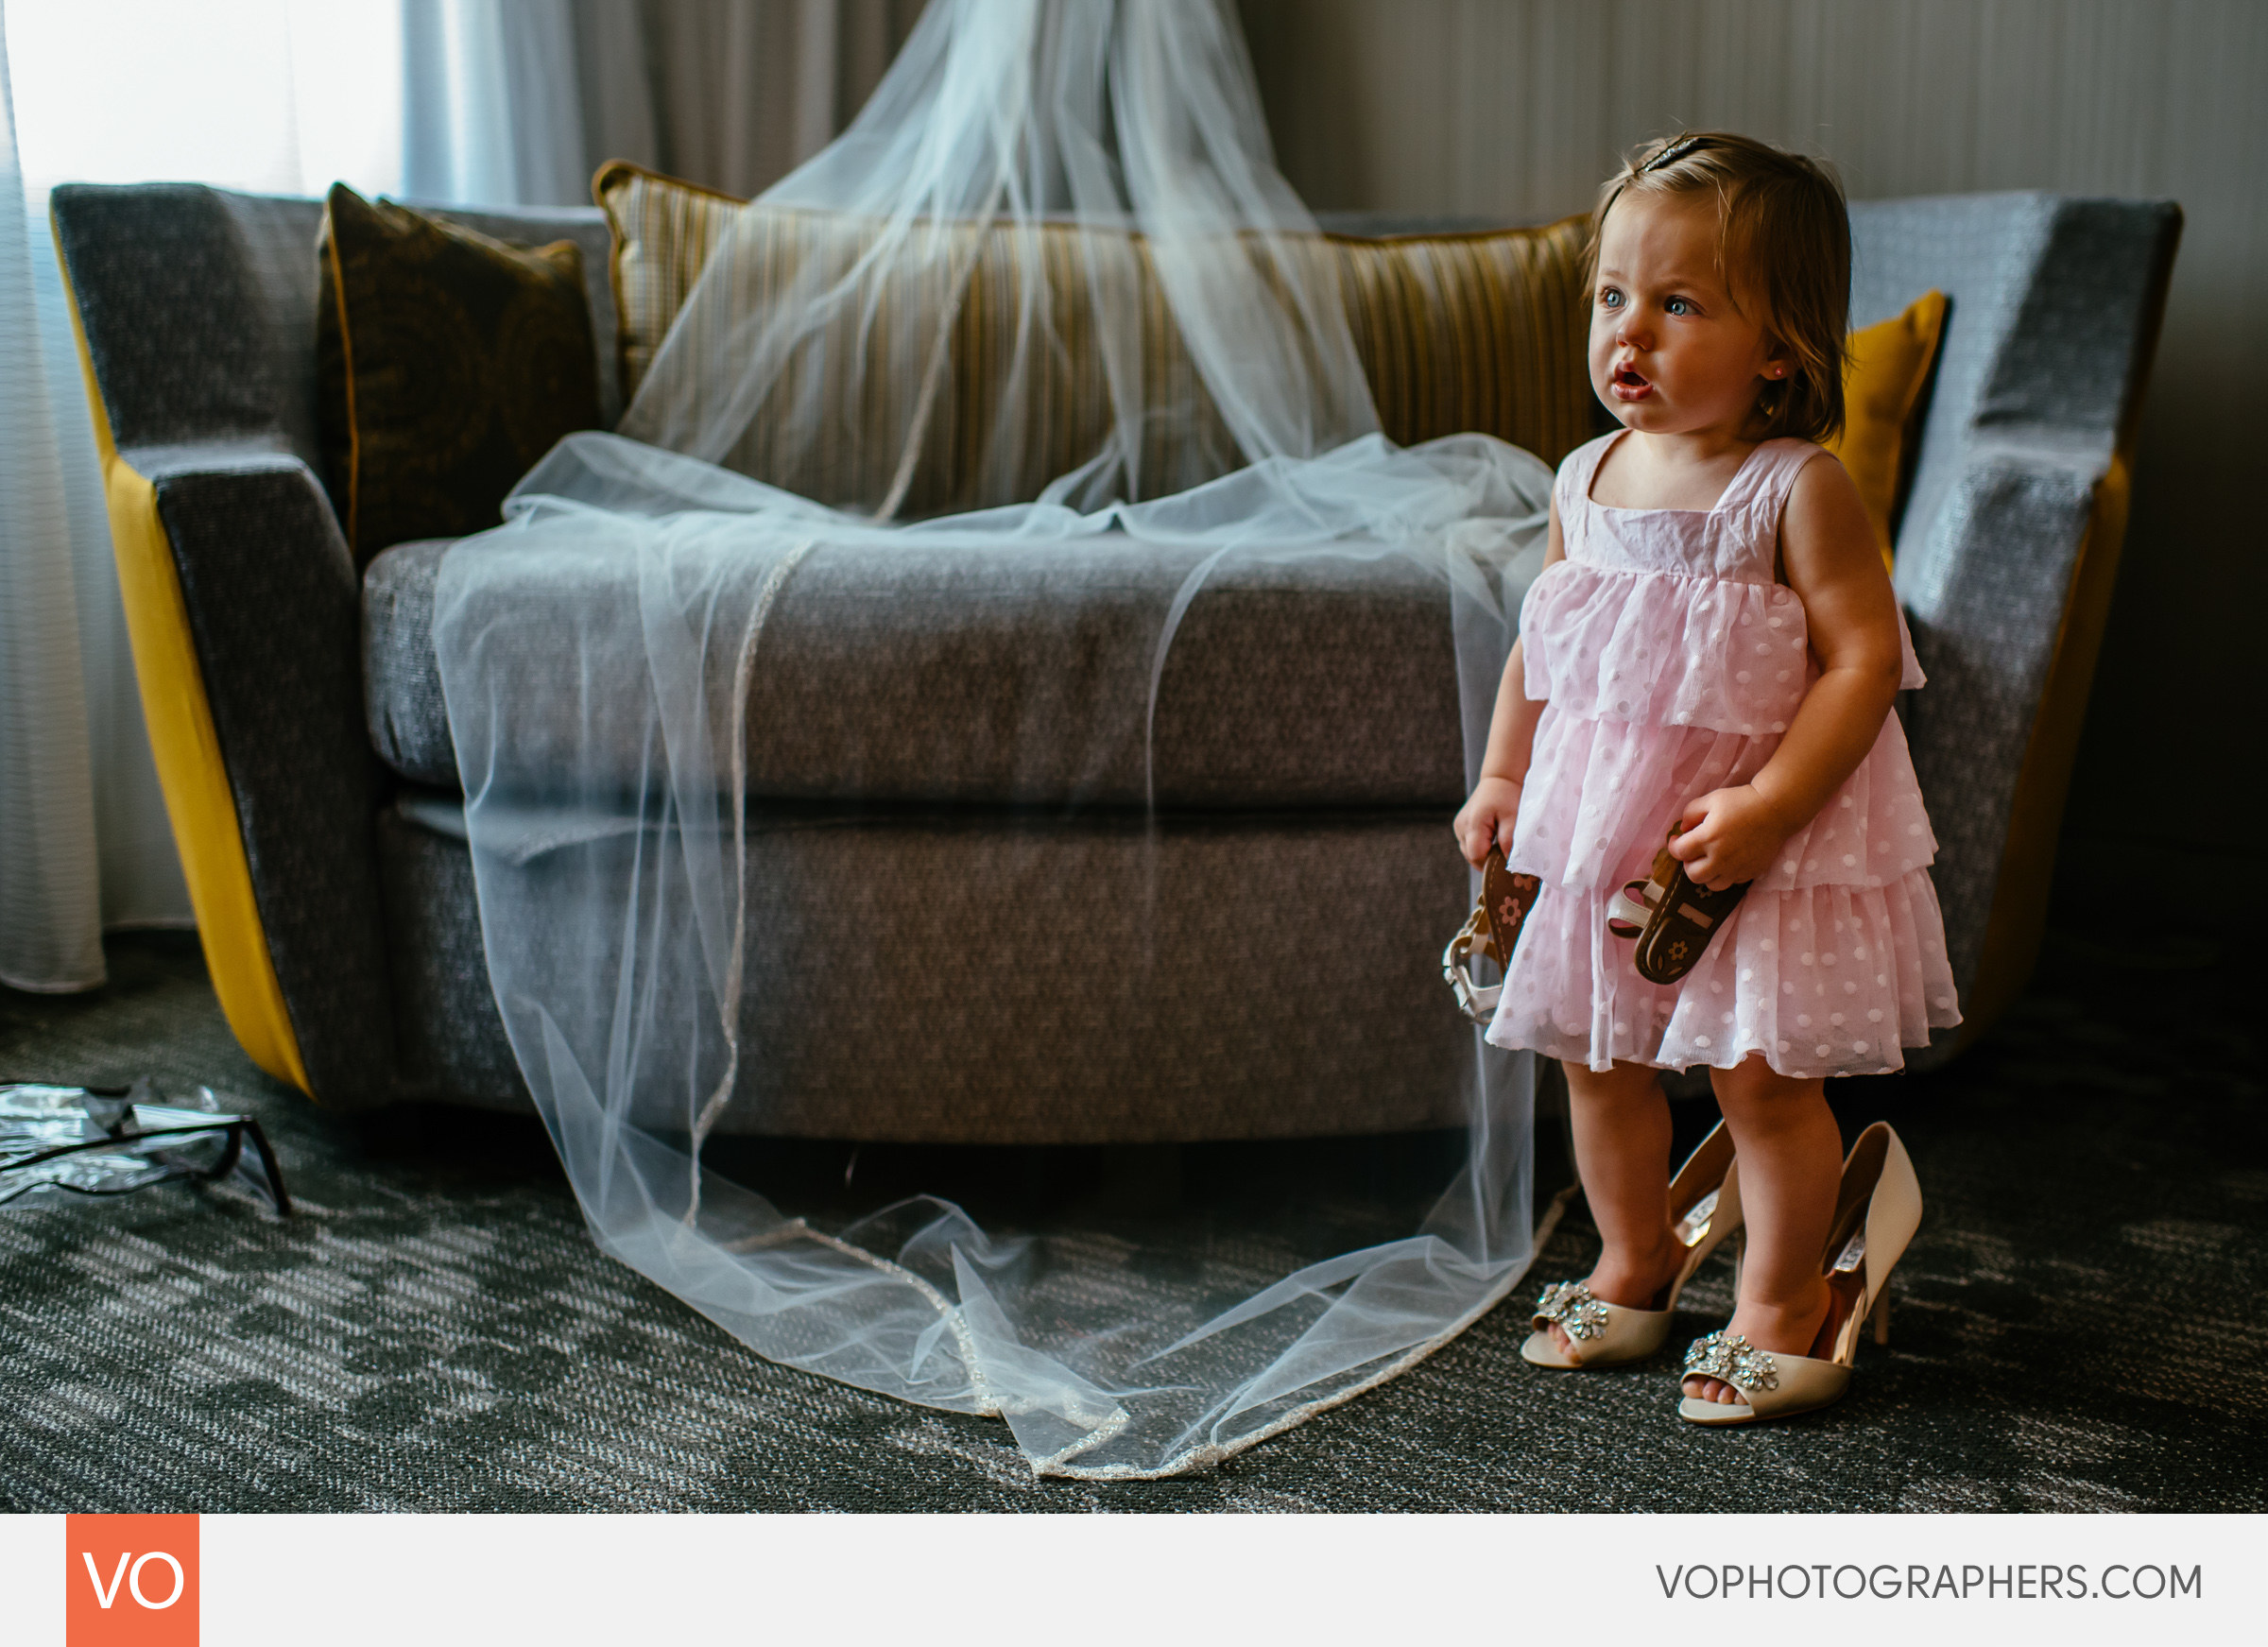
x,y
1790,1155
1622,1127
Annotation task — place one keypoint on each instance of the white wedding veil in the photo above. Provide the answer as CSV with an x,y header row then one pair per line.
x,y
1104,164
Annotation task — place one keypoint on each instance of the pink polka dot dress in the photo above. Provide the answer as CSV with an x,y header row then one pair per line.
x,y
1670,662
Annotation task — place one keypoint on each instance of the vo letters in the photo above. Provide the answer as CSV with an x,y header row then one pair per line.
x,y
130,1581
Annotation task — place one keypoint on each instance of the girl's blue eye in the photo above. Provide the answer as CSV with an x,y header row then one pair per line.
x,y
1610,299
1678,306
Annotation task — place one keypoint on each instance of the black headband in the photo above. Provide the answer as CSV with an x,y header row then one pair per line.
x,y
1675,152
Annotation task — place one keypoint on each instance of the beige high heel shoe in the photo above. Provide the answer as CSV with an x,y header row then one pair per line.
x,y
1704,1207
1877,1211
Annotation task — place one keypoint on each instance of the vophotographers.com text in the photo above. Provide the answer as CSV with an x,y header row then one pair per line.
x,y
1887,1581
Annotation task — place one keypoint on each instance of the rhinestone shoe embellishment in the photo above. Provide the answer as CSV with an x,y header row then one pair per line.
x,y
1733,1358
1570,1303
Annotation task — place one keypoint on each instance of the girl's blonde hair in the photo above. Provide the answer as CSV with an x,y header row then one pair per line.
x,y
1784,238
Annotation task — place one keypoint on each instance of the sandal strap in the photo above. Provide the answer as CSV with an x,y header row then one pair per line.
x,y
1633,904
1476,1001
1491,931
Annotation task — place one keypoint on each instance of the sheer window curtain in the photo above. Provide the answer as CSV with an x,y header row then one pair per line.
x,y
480,102
263,94
517,102
83,840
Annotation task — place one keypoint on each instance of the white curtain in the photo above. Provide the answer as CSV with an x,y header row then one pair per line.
x,y
745,91
264,94
517,102
83,840
482,102
48,869
491,108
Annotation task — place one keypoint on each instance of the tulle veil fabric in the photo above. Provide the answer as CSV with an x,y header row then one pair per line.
x,y
616,915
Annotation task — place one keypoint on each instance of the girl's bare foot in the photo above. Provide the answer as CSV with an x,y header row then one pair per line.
x,y
1790,1161
1621,1124
1787,1328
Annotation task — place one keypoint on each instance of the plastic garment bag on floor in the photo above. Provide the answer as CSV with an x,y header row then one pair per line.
x,y
103,1141
620,915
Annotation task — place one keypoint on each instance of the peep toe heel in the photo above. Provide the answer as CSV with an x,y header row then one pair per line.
x,y
1877,1211
1705,1209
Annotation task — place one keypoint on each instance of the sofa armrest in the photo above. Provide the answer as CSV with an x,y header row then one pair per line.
x,y
243,606
1987,615
196,318
2009,546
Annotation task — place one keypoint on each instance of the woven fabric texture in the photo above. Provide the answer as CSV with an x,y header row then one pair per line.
x,y
906,674
449,1043
400,678
2075,1324
271,603
1480,330
2052,300
982,978
198,307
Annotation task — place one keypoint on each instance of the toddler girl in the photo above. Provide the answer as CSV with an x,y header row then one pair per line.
x,y
1713,644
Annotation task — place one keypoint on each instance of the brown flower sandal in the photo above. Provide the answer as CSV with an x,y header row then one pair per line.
x,y
1672,917
1492,930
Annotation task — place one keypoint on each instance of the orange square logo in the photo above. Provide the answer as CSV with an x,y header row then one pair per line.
x,y
130,1580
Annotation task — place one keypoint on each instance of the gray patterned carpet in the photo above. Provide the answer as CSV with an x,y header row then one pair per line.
x,y
2078,1325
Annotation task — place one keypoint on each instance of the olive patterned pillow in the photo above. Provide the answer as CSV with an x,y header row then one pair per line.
x,y
447,363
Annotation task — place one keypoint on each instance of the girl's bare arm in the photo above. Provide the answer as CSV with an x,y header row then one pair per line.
x,y
1487,816
1834,566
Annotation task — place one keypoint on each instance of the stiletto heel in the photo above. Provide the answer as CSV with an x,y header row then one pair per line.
x,y
1704,1209
1877,1211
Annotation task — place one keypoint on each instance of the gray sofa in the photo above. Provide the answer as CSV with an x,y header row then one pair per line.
x,y
1309,729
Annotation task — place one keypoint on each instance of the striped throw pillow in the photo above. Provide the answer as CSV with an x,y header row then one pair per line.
x,y
1456,331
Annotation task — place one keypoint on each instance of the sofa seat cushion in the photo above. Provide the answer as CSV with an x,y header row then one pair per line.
x,y
1010,673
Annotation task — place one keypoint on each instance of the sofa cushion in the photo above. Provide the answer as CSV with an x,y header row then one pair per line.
x,y
1883,375
446,363
1015,673
1456,330
663,229
400,676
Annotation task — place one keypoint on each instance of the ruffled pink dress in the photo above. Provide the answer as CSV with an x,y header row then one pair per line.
x,y
1670,662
